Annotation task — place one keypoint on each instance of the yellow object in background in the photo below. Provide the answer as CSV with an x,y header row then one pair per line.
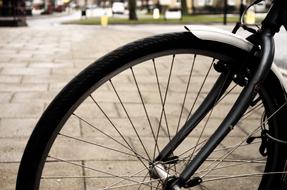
x,y
104,20
250,17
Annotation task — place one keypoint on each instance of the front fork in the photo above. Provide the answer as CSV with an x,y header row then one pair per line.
x,y
237,110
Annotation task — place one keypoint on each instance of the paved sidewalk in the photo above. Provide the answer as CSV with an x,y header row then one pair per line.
x,y
35,63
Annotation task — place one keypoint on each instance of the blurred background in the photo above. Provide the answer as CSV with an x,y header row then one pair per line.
x,y
15,12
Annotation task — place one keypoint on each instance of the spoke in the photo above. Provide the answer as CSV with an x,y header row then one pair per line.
x,y
99,145
186,91
135,174
192,148
158,184
216,150
228,92
198,139
110,121
143,180
95,170
243,175
259,161
107,135
267,119
207,120
239,163
171,168
102,132
230,147
244,140
163,101
284,177
129,118
200,89
144,107
146,183
88,177
249,112
203,187
228,153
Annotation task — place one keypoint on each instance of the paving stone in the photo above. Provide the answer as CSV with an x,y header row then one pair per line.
x,y
5,97
91,110
10,79
6,87
4,59
65,172
12,149
49,65
46,79
13,64
25,71
37,97
21,110
8,51
17,127
66,71
137,109
68,148
8,175
131,172
119,126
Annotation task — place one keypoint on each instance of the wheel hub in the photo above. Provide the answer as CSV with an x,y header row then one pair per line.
x,y
158,171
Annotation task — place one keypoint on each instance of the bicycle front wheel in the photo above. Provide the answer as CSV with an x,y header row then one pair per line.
x,y
108,124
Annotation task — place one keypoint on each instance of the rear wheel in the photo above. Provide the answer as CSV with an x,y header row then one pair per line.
x,y
109,123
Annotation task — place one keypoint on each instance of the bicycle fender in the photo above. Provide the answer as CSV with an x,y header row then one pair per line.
x,y
219,35
223,36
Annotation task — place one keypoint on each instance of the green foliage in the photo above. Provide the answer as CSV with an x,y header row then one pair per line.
x,y
195,19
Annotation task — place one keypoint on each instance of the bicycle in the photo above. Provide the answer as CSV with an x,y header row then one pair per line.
x,y
161,134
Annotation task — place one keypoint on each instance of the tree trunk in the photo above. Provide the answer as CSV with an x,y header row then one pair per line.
x,y
192,7
6,11
184,7
132,10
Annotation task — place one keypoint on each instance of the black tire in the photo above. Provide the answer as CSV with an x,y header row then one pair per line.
x,y
90,79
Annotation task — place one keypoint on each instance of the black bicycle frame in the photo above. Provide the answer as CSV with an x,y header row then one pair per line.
x,y
263,40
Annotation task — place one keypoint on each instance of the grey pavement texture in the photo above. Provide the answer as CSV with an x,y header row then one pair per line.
x,y
36,62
